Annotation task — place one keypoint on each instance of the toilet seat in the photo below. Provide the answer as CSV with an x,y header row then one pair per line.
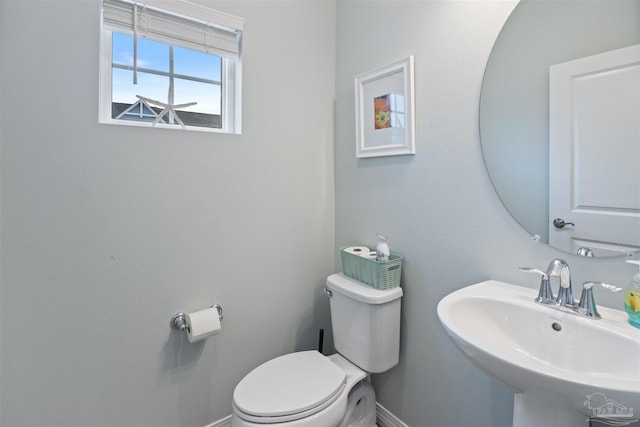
x,y
288,388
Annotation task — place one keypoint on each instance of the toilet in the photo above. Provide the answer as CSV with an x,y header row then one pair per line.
x,y
308,389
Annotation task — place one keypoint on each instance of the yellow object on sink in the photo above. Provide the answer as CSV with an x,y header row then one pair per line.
x,y
632,298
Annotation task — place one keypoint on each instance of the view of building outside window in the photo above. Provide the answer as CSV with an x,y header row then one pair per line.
x,y
174,85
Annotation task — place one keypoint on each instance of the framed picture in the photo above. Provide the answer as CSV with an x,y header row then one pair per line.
x,y
385,111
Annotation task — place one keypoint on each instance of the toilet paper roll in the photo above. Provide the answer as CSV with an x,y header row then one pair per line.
x,y
203,324
357,250
369,254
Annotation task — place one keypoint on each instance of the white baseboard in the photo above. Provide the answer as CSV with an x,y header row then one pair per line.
x,y
223,422
384,418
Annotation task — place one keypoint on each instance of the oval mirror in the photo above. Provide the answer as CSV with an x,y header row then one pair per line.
x,y
560,122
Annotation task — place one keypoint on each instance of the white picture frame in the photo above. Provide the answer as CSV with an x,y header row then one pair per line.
x,y
385,117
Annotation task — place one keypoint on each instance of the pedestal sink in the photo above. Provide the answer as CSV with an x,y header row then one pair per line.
x,y
562,368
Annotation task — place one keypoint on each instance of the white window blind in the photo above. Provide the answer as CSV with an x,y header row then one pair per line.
x,y
200,29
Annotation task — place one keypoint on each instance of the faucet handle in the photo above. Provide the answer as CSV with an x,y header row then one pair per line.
x,y
545,294
612,288
587,303
532,270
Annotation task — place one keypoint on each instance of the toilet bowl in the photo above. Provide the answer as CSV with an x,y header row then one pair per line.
x,y
308,389
305,389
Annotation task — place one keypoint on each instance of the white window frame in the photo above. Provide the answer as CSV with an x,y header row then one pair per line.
x,y
231,89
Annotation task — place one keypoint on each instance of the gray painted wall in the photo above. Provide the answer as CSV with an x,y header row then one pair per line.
x,y
108,231
438,208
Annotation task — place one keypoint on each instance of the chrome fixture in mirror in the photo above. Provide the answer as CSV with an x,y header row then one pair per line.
x,y
515,124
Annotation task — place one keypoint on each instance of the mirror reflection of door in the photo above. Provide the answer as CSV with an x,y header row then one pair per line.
x,y
594,152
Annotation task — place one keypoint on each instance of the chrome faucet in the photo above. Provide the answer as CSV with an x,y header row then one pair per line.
x,y
545,294
559,268
564,301
587,306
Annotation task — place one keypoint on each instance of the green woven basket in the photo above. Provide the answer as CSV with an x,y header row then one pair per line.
x,y
377,274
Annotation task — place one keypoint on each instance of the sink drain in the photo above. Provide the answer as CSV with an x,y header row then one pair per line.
x,y
556,326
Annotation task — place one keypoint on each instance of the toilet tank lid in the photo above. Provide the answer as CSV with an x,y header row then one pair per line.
x,y
359,291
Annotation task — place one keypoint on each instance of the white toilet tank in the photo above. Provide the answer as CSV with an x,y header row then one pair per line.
x,y
365,323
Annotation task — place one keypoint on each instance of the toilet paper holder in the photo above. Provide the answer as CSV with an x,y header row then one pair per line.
x,y
179,320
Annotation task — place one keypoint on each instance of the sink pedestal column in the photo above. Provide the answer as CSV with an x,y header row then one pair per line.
x,y
530,412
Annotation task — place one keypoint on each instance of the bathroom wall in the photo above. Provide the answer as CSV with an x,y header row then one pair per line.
x,y
438,208
108,231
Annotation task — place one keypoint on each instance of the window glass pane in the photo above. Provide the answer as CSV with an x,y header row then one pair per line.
x,y
124,91
151,54
197,64
122,49
139,113
154,83
206,95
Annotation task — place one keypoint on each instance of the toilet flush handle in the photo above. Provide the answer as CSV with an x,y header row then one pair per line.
x,y
328,292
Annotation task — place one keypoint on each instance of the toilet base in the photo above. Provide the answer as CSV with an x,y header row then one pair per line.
x,y
361,406
361,400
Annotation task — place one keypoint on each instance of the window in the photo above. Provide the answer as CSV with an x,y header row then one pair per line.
x,y
168,68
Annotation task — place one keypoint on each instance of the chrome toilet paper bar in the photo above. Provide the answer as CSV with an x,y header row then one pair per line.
x,y
179,320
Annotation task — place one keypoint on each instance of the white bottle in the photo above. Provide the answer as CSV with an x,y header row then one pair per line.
x,y
382,249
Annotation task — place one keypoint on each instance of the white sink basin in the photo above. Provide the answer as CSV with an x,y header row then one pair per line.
x,y
553,358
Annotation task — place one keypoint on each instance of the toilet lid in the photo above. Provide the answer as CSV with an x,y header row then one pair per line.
x,y
289,384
